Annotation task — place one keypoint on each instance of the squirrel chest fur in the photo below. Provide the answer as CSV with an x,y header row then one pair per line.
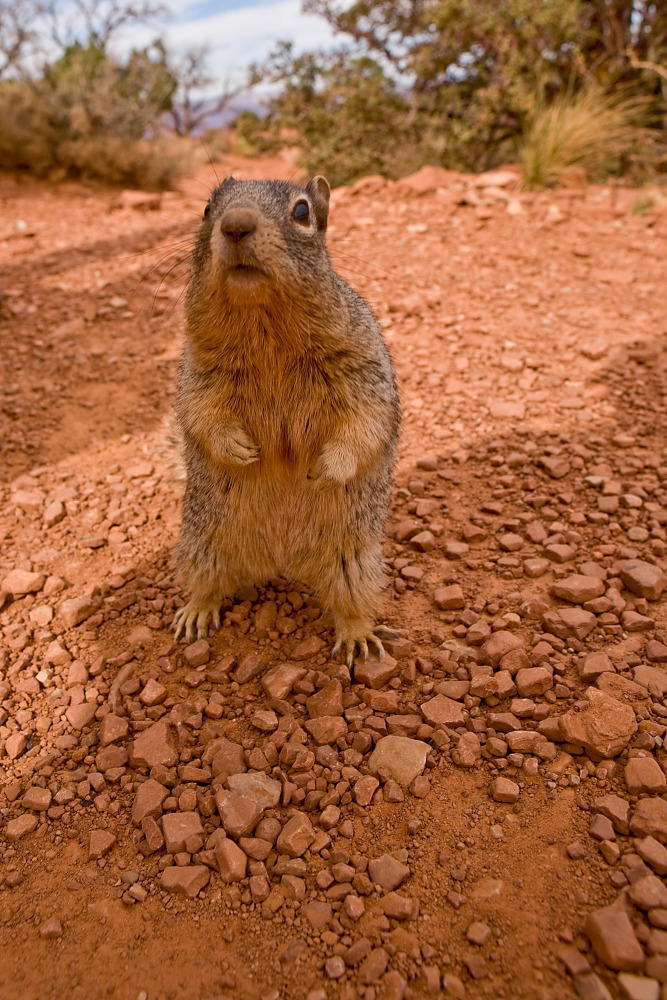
x,y
289,413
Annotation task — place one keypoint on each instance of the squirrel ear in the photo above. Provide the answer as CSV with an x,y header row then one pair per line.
x,y
319,191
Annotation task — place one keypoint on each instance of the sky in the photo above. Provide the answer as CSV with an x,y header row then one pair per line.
x,y
237,32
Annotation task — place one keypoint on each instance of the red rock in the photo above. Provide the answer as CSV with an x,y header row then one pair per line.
x,y
476,966
455,549
80,716
37,798
239,815
554,466
51,928
112,729
19,582
326,730
182,831
197,653
54,513
140,201
644,579
499,644
375,673
101,842
614,940
402,757
405,529
593,665
578,588
108,758
504,790
186,880
616,809
373,966
423,541
317,913
443,711
231,860
467,751
604,728
19,827
478,933
535,567
533,681
364,789
156,745
152,833
15,745
652,678
501,409
650,819
399,907
296,836
569,623
148,800
327,701
224,757
644,774
427,180
153,693
250,666
653,853
656,652
334,967
307,648
648,893
258,787
77,610
449,598
387,872
279,680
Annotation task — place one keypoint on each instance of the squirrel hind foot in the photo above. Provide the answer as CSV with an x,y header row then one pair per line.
x,y
351,637
194,620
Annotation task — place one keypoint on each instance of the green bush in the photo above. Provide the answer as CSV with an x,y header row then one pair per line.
x,y
91,116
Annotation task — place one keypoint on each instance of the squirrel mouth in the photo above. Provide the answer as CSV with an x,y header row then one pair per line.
x,y
246,270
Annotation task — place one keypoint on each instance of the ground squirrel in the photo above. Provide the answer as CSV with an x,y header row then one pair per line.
x,y
289,412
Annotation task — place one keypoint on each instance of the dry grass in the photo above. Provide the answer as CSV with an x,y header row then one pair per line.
x,y
601,132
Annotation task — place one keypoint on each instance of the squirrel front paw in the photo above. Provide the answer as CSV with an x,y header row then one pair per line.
x,y
335,462
236,447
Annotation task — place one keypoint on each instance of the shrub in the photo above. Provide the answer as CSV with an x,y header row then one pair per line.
x,y
90,116
603,133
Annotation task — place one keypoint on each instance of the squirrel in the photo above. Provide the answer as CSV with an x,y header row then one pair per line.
x,y
289,412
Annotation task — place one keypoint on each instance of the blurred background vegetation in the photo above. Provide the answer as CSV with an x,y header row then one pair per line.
x,y
463,84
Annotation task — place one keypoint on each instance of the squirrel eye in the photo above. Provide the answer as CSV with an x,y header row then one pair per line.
x,y
301,211
207,210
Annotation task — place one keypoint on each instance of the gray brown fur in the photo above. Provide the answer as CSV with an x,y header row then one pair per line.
x,y
289,412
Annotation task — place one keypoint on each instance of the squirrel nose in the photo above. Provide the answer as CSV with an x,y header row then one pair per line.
x,y
237,223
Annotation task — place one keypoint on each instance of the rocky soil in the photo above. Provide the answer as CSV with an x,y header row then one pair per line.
x,y
483,814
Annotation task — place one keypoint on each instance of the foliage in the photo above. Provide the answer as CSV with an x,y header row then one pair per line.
x,y
349,118
453,82
89,115
600,132
84,112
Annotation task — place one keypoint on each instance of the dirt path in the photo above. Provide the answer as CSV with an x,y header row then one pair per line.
x,y
514,846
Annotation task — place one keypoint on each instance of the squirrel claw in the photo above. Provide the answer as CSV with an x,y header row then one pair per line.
x,y
350,646
193,621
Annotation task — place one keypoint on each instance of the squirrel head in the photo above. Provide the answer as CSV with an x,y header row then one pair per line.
x,y
261,241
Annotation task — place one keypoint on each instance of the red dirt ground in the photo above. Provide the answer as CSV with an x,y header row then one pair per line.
x,y
528,333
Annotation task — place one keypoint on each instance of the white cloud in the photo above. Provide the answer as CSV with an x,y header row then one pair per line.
x,y
236,37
